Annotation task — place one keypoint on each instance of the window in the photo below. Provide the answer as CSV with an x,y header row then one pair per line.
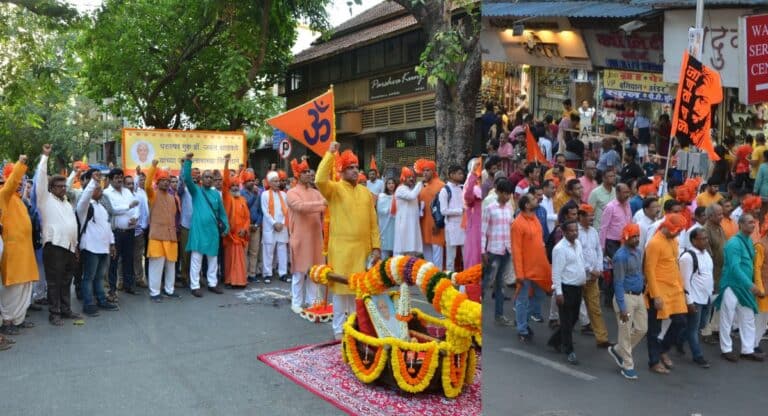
x,y
362,60
295,80
402,139
413,44
334,68
392,53
377,56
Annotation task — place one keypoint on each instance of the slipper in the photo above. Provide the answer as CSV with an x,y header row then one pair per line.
x,y
26,325
660,369
667,361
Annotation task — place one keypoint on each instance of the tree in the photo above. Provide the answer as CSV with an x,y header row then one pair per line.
x,y
452,64
39,91
179,64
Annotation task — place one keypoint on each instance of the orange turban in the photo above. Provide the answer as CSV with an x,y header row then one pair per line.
x,y
422,164
751,203
630,230
586,208
234,180
345,160
7,170
282,175
246,176
161,174
297,167
405,173
646,190
675,223
361,178
81,166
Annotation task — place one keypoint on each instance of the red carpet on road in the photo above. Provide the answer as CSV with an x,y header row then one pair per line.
x,y
320,369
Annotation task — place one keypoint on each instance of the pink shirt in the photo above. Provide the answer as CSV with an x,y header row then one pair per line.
x,y
506,149
615,218
587,187
496,225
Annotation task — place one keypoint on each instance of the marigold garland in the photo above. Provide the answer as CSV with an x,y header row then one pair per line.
x,y
453,376
419,382
439,290
468,276
471,367
365,374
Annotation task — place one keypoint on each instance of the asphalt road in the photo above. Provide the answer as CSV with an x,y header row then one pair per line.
x,y
527,380
187,357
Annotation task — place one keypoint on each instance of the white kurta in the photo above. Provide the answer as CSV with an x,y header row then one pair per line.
x,y
269,235
407,228
453,211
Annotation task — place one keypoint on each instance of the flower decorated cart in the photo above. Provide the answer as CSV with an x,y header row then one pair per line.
x,y
388,342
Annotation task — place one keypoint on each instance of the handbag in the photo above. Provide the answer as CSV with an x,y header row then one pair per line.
x,y
219,223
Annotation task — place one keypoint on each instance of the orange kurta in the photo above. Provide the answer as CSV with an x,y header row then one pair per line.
x,y
427,194
729,227
662,275
528,251
18,264
239,217
305,227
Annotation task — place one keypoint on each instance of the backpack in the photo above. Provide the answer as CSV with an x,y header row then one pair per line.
x,y
437,214
695,262
84,226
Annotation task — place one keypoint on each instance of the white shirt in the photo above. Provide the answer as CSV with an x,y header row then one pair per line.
x,y
586,116
645,224
98,234
120,202
652,230
590,246
567,265
453,211
699,286
407,227
58,219
143,222
376,187
736,214
549,206
546,147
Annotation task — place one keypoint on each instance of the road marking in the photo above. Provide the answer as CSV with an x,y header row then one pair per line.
x,y
551,364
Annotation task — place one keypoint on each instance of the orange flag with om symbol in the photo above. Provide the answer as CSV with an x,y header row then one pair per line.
x,y
312,124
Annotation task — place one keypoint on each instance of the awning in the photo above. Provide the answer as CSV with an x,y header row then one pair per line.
x,y
583,9
661,4
398,127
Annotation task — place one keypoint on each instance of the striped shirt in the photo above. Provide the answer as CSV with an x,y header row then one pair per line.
x,y
495,229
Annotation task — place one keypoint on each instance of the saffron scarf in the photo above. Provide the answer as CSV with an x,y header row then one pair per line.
x,y
283,207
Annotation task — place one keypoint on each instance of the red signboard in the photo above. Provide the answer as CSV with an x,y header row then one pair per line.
x,y
753,45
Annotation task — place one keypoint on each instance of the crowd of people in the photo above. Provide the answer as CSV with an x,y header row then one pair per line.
x,y
678,258
126,231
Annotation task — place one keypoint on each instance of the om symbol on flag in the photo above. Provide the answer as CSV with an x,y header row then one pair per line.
x,y
319,124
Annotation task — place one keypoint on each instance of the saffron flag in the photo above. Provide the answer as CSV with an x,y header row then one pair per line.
x,y
698,90
373,163
532,149
312,124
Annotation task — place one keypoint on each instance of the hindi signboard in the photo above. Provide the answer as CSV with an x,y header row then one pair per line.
x,y
753,64
643,86
142,146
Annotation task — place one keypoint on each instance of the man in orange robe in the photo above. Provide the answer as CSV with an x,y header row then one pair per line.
x,y
236,241
163,246
664,286
532,268
432,238
305,232
18,266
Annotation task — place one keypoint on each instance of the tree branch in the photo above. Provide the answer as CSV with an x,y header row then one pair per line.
x,y
259,59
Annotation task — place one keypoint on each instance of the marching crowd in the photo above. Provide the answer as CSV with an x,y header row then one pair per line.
x,y
125,231
680,261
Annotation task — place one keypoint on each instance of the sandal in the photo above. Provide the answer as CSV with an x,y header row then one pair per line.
x,y
9,330
667,361
26,325
55,320
6,340
659,369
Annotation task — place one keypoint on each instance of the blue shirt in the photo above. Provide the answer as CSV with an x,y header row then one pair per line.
x,y
541,214
627,273
253,200
635,204
186,205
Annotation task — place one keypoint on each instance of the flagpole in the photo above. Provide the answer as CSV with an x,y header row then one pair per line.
x,y
696,53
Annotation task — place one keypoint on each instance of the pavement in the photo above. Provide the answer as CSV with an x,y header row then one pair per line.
x,y
194,356
533,380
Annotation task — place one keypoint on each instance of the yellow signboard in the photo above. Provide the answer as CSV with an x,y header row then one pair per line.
x,y
141,146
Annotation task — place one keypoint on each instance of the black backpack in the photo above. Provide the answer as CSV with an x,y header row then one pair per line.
x,y
437,214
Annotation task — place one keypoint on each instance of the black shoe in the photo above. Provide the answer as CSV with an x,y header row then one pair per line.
x,y
215,289
71,315
109,306
91,312
285,278
701,362
587,330
197,293
130,291
267,279
9,330
758,350
173,295
156,299
35,307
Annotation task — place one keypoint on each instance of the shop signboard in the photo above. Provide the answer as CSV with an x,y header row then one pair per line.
x,y
720,46
395,85
638,51
642,86
753,51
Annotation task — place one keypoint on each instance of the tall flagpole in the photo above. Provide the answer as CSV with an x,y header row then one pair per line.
x,y
695,43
